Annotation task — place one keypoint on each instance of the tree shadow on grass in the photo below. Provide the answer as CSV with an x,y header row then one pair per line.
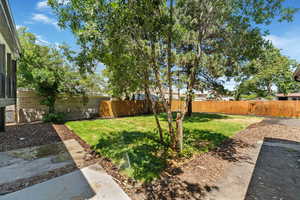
x,y
196,117
137,153
220,145
141,156
202,140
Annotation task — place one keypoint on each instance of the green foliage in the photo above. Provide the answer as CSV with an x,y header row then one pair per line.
x,y
57,118
269,73
204,37
143,43
47,71
133,144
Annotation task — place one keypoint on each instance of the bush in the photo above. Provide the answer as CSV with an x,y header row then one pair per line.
x,y
57,118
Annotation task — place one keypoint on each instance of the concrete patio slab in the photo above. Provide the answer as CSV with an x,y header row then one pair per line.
x,y
90,183
26,169
34,161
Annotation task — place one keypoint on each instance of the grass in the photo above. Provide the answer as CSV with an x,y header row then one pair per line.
x,y
132,142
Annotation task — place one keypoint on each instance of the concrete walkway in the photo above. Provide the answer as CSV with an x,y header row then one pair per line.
x,y
90,183
35,161
270,170
234,184
277,172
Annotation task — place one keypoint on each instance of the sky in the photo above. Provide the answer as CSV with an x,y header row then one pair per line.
x,y
38,17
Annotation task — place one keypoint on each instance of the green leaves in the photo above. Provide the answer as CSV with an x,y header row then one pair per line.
x,y
269,73
47,70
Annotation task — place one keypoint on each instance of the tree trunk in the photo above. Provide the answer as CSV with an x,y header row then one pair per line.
x,y
164,101
179,132
160,131
51,104
170,65
189,107
189,95
154,109
237,96
190,87
148,101
153,105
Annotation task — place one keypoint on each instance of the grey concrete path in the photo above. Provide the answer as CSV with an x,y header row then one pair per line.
x,y
26,169
235,183
35,161
90,183
291,122
271,170
277,172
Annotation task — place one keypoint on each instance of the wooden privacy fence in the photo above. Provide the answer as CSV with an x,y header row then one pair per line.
x,y
122,108
259,108
125,108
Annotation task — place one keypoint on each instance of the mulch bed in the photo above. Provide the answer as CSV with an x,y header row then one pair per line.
x,y
29,135
196,177
95,157
188,179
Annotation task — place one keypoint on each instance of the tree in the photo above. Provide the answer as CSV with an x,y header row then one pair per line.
x,y
268,73
45,70
156,32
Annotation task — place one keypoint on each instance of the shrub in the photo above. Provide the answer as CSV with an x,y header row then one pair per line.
x,y
57,118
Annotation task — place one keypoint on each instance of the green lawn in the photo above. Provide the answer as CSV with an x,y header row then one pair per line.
x,y
131,142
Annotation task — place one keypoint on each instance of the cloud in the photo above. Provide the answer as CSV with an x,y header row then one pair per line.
x,y
42,5
18,26
41,41
44,19
288,43
64,2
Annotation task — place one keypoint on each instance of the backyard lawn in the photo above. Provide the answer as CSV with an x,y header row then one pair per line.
x,y
132,142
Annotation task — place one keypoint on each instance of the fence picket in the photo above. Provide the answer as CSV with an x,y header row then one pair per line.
x,y
259,108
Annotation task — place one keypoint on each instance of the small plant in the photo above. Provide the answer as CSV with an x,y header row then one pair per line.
x,y
57,118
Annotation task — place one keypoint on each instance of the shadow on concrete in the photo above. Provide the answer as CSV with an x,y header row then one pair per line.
x,y
277,171
35,153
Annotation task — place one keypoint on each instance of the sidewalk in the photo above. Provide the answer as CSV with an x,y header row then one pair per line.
x,y
90,183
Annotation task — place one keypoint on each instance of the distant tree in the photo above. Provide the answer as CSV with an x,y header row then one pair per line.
x,y
45,70
269,73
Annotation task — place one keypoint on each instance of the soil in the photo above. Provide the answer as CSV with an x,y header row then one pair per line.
x,y
183,179
33,135
29,135
194,178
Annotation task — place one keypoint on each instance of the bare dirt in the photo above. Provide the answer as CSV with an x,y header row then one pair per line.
x,y
29,135
33,141
196,178
188,179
